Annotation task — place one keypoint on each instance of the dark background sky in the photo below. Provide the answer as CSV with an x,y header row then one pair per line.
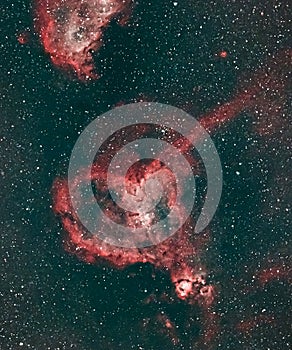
x,y
168,54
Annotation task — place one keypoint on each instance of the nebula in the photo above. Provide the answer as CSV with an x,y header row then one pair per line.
x,y
181,255
70,31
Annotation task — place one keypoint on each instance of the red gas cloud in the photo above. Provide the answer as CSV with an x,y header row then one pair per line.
x,y
181,255
71,30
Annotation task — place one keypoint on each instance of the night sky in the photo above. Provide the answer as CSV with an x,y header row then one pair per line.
x,y
195,55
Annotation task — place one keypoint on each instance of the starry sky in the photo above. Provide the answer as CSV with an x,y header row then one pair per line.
x,y
194,55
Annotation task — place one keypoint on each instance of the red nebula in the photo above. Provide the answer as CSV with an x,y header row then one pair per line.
x,y
71,30
181,255
175,254
223,54
24,37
